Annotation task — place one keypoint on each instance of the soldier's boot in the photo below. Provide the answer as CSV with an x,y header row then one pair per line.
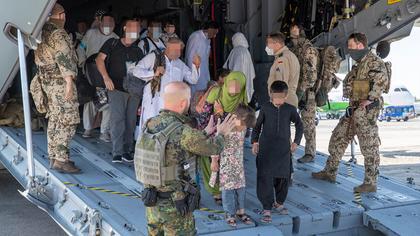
x,y
53,160
323,175
306,159
65,167
365,188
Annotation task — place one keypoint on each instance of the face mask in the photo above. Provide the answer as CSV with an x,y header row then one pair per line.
x,y
106,30
59,23
358,54
269,51
132,35
156,33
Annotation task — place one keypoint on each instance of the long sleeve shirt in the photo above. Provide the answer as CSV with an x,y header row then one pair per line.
x,y
175,70
199,44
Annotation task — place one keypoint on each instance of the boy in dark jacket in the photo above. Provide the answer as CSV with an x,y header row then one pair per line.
x,y
271,140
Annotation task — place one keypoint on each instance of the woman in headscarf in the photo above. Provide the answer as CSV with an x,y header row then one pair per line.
x,y
221,101
240,60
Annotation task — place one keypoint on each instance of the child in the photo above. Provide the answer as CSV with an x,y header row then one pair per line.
x,y
231,171
272,144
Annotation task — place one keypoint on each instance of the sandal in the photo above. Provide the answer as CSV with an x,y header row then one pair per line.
x,y
244,218
218,201
280,209
266,219
230,220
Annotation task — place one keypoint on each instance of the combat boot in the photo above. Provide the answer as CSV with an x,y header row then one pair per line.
x,y
65,167
306,159
323,175
53,160
365,188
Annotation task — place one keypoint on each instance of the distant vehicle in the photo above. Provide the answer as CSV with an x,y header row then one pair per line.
x,y
399,96
397,113
317,118
417,108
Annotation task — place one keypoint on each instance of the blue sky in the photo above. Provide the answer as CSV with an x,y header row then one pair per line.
x,y
405,58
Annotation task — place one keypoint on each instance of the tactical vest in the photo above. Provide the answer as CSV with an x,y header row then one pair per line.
x,y
150,157
362,84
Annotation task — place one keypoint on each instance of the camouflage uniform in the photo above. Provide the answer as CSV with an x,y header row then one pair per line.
x,y
308,60
56,59
184,145
363,122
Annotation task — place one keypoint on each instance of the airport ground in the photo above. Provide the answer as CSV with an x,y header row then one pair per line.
x,y
400,159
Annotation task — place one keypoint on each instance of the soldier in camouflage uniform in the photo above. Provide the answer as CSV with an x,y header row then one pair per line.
x,y
308,60
57,68
183,146
363,86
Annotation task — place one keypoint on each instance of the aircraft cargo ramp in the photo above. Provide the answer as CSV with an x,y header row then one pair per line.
x,y
103,200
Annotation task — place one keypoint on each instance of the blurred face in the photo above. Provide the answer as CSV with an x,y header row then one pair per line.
x,y
173,50
132,30
154,30
212,33
239,122
170,29
272,44
352,44
107,25
294,31
278,99
81,27
234,87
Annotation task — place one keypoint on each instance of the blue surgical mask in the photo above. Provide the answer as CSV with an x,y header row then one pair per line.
x,y
156,32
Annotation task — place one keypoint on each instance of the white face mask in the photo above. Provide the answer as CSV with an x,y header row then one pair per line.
x,y
132,35
106,30
269,51
156,32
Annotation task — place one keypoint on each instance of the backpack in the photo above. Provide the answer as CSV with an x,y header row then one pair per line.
x,y
329,64
150,157
92,73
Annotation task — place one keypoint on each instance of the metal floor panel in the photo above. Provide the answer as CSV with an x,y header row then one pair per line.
x,y
402,220
315,207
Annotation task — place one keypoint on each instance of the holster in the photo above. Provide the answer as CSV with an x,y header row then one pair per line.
x,y
149,196
193,196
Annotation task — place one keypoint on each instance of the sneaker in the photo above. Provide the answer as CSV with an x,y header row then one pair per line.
x,y
106,137
117,159
127,157
87,133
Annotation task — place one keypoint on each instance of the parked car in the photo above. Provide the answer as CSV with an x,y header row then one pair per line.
x,y
397,113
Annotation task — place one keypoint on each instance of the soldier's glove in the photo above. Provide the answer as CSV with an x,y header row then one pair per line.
x,y
181,206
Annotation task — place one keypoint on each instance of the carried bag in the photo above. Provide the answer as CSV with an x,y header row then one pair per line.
x,y
91,69
134,85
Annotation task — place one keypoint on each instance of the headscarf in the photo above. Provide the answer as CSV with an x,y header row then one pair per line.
x,y
229,102
240,60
